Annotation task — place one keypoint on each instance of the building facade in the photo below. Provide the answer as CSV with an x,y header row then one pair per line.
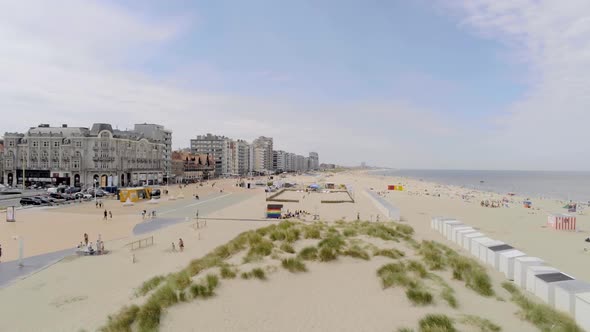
x,y
241,155
1,161
157,133
189,168
314,161
263,148
82,157
214,145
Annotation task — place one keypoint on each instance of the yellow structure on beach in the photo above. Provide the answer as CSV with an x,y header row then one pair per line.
x,y
135,194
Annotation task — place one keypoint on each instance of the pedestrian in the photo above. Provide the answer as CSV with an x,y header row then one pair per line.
x,y
173,247
180,245
110,214
358,216
105,214
0,253
86,239
96,204
143,213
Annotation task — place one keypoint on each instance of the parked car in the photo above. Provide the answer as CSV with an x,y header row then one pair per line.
x,y
44,200
73,190
29,201
56,195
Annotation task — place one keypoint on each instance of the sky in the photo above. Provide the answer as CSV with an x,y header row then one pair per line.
x,y
435,84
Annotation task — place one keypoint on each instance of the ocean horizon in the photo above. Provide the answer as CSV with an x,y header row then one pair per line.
x,y
564,185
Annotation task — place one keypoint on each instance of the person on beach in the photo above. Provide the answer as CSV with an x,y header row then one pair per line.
x,y
96,204
105,214
0,253
173,247
181,245
143,213
110,214
85,239
358,216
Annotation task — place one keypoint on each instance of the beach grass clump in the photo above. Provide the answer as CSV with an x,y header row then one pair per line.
x,y
294,265
308,253
327,254
246,275
349,232
357,252
436,323
541,315
391,253
288,248
292,234
262,248
258,273
122,321
285,224
419,296
334,242
405,329
312,232
417,268
179,281
394,274
472,273
227,272
448,295
380,230
205,288
484,325
432,255
147,286
278,235
148,317
404,229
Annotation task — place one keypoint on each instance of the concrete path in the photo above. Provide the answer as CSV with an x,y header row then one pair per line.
x,y
11,271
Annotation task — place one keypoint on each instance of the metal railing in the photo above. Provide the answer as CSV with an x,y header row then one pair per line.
x,y
141,243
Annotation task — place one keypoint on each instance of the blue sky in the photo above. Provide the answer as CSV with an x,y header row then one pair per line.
x,y
424,84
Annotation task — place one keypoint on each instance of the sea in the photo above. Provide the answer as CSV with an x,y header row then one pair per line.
x,y
547,184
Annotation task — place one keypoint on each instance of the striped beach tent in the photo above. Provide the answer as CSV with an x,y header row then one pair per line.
x,y
562,221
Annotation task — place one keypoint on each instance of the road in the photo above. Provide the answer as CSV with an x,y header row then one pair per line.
x,y
171,214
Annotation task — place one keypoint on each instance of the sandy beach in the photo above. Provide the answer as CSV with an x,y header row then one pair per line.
x,y
79,293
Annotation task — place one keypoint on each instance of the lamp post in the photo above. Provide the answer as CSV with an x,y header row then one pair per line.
x,y
94,187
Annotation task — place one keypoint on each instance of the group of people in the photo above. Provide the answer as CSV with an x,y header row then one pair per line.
x,y
180,245
98,204
296,214
107,213
145,214
88,248
492,204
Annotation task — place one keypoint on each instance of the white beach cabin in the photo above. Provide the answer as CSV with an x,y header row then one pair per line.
x,y
545,286
533,271
468,238
461,235
485,247
446,225
583,310
453,236
493,258
520,267
507,262
451,229
565,294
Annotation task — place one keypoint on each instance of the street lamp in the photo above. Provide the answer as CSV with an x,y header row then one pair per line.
x,y
94,187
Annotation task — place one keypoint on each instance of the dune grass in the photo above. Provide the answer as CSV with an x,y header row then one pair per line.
x,y
147,286
394,274
405,229
122,321
357,252
288,248
148,316
379,230
294,265
417,268
258,273
541,315
405,329
419,296
179,281
436,323
312,232
308,253
349,232
327,254
391,253
482,324
227,272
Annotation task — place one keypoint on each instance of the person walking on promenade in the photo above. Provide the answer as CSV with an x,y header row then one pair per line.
x,y
110,214
0,253
181,245
96,204
105,214
86,239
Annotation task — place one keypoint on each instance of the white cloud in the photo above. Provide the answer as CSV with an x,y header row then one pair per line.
x,y
548,128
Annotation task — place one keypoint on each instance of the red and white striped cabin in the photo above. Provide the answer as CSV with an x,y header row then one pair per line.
x,y
562,222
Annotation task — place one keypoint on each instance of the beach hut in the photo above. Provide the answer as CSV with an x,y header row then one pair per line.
x,y
468,238
565,294
562,221
475,243
451,227
493,253
273,211
545,286
391,187
461,235
520,268
445,225
582,313
484,248
399,188
436,222
533,271
456,231
506,263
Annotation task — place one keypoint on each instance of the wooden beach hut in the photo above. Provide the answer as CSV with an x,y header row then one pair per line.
x,y
475,243
390,187
506,263
520,268
436,223
484,248
565,294
545,286
533,271
445,225
451,227
582,314
562,221
493,253
461,234
273,211
468,239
